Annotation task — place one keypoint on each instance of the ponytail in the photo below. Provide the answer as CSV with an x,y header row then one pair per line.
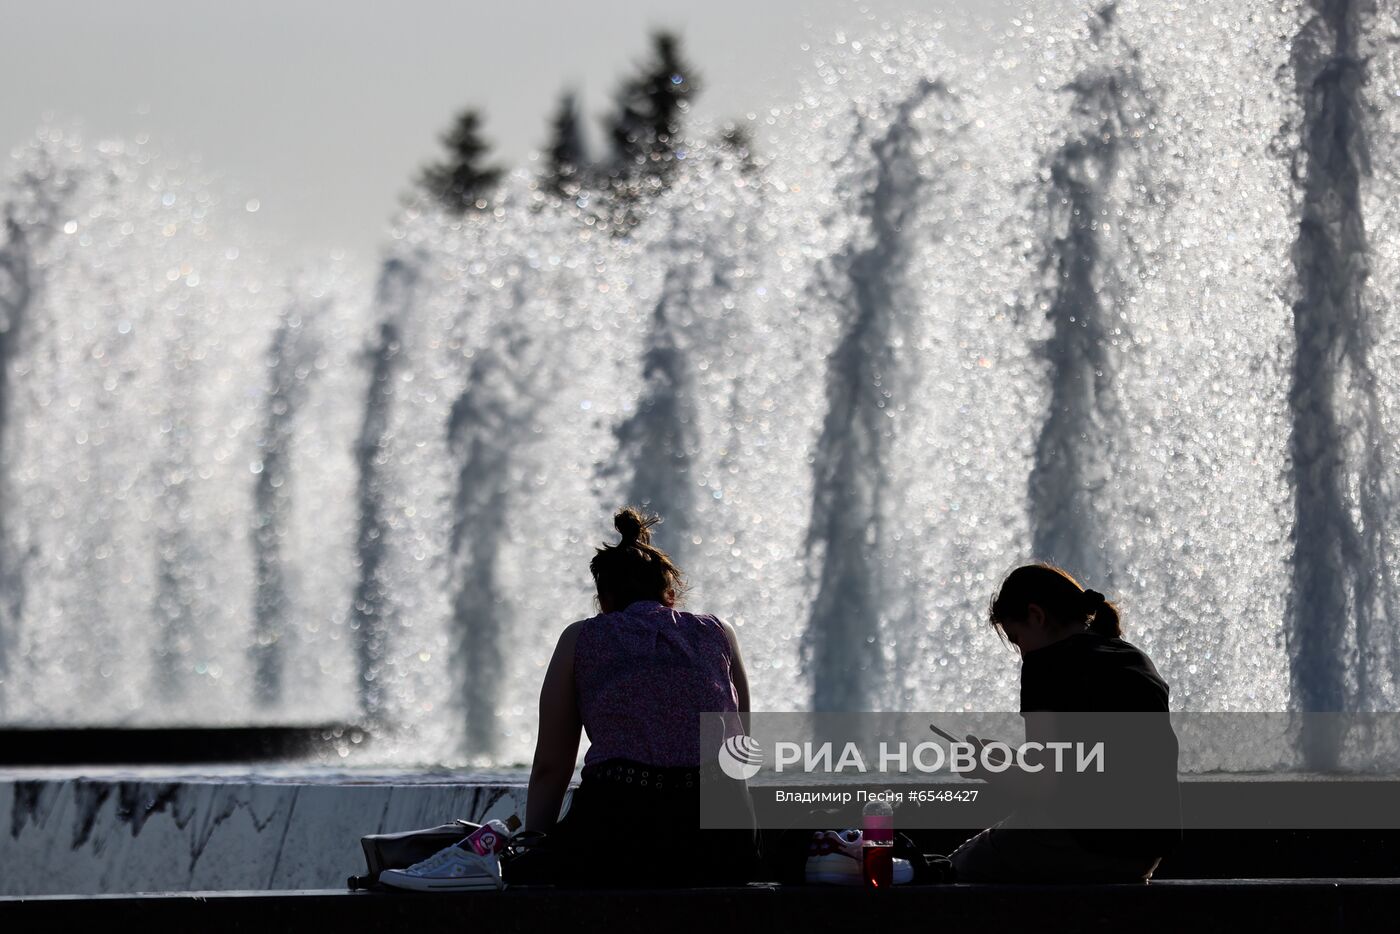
x,y
1103,616
635,569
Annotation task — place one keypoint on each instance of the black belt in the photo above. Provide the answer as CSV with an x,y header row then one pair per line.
x,y
626,773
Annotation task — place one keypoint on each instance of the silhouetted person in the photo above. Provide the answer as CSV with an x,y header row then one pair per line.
x,y
636,677
1082,684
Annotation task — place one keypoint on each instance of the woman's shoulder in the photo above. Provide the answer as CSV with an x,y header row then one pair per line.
x,y
1139,676
1131,652
593,631
711,621
1097,651
1097,643
570,634
712,626
708,619
675,613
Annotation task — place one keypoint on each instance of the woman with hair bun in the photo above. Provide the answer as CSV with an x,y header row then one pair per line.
x,y
1077,676
636,678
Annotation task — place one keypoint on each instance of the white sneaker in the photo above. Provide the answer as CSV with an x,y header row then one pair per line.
x,y
451,869
836,859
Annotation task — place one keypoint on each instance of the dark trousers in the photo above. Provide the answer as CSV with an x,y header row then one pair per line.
x,y
1007,853
631,824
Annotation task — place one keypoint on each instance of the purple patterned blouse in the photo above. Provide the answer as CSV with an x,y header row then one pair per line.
x,y
643,676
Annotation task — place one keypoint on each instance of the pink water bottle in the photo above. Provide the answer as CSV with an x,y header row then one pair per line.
x,y
877,845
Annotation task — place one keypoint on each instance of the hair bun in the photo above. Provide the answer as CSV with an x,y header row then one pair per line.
x,y
1093,600
633,526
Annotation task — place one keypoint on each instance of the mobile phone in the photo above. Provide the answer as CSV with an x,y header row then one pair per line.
x,y
953,739
944,733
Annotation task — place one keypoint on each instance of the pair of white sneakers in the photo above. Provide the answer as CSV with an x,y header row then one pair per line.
x,y
452,869
833,858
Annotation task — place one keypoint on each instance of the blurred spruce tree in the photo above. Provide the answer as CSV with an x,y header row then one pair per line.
x,y
567,154
647,129
462,181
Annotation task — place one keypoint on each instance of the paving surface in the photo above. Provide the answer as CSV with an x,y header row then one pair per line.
x,y
1312,905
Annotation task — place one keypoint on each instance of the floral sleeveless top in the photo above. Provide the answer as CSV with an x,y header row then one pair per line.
x,y
644,675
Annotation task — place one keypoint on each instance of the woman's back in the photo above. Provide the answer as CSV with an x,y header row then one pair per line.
x,y
1112,694
1090,672
643,677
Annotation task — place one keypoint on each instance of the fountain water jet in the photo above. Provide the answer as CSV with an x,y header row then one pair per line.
x,y
371,615
291,359
1343,580
867,285
1081,297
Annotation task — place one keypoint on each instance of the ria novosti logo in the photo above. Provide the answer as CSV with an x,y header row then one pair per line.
x,y
740,757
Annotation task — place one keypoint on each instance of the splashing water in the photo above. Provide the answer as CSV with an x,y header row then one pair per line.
x,y
866,288
1343,594
1078,300
1081,207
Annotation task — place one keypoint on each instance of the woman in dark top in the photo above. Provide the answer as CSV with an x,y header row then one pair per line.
x,y
1080,683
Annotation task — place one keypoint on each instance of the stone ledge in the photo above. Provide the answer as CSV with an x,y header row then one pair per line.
x,y
145,746
1314,905
113,833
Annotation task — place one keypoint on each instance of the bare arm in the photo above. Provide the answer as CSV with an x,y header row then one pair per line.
x,y
556,749
737,674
